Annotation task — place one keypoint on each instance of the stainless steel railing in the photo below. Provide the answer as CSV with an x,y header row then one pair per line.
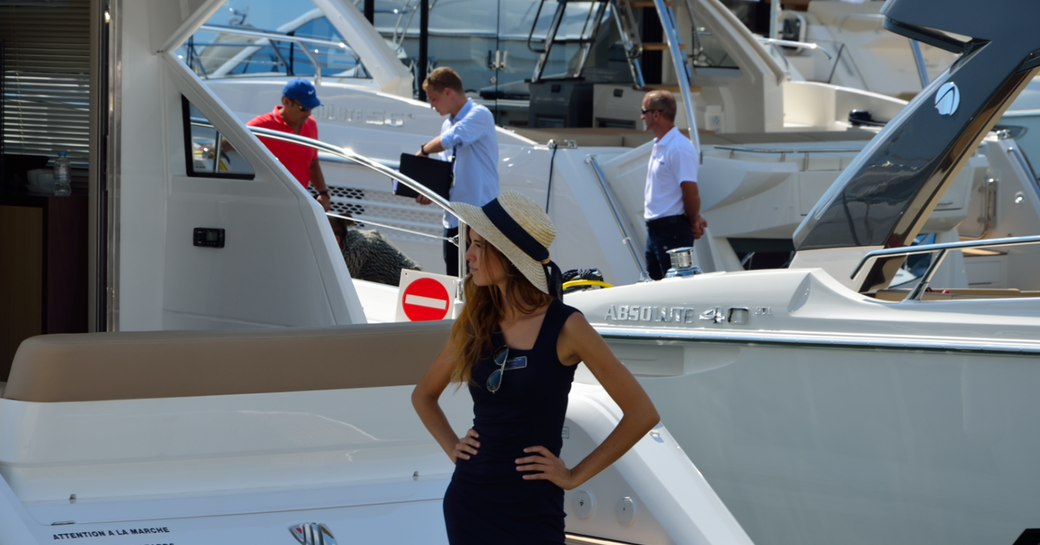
x,y
939,252
348,155
616,210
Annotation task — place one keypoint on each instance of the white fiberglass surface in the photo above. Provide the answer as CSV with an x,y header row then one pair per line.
x,y
261,523
164,280
182,445
251,466
806,434
804,444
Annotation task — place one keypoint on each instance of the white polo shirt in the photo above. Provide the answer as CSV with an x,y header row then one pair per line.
x,y
673,161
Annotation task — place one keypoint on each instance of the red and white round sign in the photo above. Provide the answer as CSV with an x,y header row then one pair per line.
x,y
425,300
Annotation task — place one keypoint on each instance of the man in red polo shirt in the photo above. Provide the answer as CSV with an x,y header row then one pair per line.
x,y
293,116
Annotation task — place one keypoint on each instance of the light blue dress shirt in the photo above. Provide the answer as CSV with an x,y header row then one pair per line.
x,y
470,137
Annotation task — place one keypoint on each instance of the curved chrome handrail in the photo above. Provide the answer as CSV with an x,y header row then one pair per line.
x,y
922,68
682,70
808,46
349,155
941,249
627,231
366,221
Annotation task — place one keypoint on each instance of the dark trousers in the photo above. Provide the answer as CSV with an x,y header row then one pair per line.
x,y
451,253
664,234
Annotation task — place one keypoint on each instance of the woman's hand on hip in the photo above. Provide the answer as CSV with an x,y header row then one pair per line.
x,y
543,465
467,446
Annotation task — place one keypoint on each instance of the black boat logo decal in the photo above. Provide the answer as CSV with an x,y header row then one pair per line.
x,y
312,533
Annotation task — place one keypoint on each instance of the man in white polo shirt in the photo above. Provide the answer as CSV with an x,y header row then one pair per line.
x,y
672,201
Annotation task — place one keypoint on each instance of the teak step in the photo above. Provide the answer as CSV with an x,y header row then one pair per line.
x,y
657,46
670,87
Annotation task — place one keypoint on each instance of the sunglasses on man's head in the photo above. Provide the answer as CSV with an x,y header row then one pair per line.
x,y
646,111
494,380
300,106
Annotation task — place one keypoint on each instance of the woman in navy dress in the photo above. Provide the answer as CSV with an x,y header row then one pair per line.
x,y
516,345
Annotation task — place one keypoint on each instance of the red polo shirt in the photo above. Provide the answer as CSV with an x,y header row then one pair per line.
x,y
296,158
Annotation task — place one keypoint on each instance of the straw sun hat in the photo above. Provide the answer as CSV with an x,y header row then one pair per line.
x,y
519,228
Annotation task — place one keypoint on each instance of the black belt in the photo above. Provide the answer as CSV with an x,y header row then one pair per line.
x,y
668,221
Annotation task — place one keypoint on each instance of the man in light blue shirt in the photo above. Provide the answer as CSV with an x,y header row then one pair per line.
x,y
468,139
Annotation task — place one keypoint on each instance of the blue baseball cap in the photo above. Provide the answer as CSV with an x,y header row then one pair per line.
x,y
302,91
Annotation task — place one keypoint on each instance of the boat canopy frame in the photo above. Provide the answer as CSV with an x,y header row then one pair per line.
x,y
885,196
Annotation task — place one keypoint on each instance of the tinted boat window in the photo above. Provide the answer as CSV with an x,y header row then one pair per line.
x,y
207,152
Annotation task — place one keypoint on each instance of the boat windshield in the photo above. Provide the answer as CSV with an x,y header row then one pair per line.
x,y
309,46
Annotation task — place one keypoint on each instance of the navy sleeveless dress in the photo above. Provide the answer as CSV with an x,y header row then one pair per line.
x,y
487,501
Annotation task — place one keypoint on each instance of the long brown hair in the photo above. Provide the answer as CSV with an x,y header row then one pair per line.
x,y
485,306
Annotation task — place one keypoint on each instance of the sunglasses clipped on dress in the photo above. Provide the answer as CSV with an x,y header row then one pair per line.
x,y
494,380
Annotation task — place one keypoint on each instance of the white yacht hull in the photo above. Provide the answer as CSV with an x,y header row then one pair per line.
x,y
824,416
242,437
290,464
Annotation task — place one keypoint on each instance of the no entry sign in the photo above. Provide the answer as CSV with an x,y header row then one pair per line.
x,y
426,297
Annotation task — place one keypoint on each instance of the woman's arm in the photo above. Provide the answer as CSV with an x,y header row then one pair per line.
x,y
580,342
425,400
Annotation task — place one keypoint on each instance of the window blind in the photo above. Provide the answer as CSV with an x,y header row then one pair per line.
x,y
46,77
